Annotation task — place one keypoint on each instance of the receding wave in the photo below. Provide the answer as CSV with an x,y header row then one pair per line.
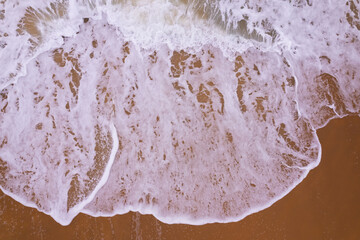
x,y
193,111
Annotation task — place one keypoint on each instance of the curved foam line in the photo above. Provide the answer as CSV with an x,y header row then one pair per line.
x,y
77,209
74,211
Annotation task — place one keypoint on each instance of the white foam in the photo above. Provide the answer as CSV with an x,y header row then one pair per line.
x,y
111,122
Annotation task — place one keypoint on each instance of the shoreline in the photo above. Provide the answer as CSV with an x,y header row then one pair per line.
x,y
323,205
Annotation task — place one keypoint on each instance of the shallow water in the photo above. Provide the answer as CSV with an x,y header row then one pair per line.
x,y
325,204
195,112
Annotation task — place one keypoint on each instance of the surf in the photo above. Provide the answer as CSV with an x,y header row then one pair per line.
x,y
192,111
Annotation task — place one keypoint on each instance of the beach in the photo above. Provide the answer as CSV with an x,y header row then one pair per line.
x,y
174,119
323,206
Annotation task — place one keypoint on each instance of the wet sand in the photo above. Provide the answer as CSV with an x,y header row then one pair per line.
x,y
324,206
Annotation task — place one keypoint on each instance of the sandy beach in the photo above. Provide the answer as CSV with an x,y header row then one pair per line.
x,y
194,112
323,206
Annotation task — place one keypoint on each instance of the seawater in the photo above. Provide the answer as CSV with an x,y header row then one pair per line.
x,y
193,111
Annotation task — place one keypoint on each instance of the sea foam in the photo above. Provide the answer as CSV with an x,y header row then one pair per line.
x,y
193,111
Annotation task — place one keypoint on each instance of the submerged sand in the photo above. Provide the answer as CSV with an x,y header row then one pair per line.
x,y
323,206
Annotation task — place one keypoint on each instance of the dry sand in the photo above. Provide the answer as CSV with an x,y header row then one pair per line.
x,y
324,206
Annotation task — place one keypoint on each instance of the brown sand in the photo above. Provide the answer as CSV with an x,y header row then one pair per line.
x,y
324,206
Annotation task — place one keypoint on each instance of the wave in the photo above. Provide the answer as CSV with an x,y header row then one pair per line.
x,y
193,111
